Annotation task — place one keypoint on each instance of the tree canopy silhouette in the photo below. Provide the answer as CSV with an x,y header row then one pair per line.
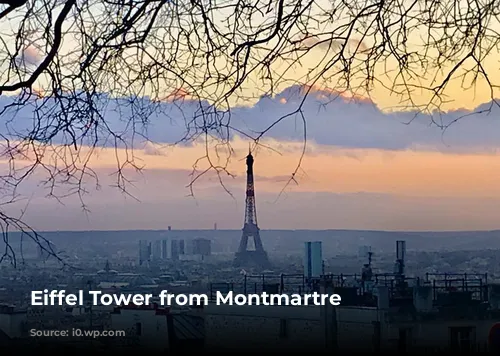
x,y
62,62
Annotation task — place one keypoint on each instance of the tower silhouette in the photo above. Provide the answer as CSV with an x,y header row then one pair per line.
x,y
245,257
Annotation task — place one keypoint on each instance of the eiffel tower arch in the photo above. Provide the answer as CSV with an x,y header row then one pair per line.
x,y
244,257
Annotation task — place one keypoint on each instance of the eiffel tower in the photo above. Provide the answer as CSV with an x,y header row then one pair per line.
x,y
245,257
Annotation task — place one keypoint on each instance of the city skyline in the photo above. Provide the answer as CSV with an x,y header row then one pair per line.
x,y
84,109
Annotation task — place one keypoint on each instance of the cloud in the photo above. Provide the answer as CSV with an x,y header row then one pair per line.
x,y
328,44
333,118
360,124
28,58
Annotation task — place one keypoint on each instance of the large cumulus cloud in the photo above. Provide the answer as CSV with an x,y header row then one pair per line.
x,y
331,120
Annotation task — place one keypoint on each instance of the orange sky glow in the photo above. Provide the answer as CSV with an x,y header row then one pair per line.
x,y
416,190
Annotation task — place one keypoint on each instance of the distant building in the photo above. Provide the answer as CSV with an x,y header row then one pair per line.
x,y
182,247
196,258
161,250
144,251
164,249
200,246
176,249
156,250
107,272
313,259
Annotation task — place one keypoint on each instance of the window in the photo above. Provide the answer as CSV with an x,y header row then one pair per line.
x,y
138,329
283,329
462,339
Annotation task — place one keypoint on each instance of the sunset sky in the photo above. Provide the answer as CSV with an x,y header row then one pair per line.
x,y
363,169
365,165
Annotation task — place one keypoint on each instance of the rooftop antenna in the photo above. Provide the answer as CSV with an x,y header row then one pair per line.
x,y
370,256
366,271
399,267
400,257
